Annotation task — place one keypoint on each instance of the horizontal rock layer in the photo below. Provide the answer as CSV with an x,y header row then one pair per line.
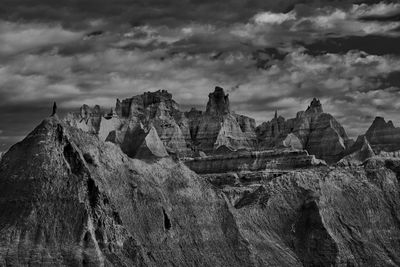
x,y
252,161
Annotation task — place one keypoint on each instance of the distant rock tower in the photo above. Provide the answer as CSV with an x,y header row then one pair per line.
x,y
315,106
54,109
218,102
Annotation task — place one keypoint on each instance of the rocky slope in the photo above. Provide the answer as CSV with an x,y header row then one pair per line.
x,y
313,130
70,199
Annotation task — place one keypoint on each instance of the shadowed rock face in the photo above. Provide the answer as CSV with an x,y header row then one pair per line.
x,y
382,138
70,199
383,135
218,102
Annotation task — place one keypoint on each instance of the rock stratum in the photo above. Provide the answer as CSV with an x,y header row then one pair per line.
x,y
148,185
69,198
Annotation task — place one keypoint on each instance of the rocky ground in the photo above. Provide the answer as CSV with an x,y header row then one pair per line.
x,y
68,198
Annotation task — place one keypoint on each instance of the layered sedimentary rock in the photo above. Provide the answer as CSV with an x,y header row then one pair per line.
x,y
313,130
219,126
383,136
183,134
383,140
133,116
70,199
253,161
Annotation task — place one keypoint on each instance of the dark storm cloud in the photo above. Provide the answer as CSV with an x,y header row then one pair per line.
x,y
371,44
86,51
160,12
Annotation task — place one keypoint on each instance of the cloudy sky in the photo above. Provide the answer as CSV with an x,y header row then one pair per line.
x,y
267,54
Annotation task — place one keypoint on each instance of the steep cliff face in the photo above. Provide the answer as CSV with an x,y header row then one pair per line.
x,y
317,132
70,199
220,127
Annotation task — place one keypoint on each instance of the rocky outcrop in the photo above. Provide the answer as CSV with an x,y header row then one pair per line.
x,y
152,146
70,199
220,127
133,116
313,130
359,155
218,102
383,136
87,119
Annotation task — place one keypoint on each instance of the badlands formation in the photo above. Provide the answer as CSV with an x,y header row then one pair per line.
x,y
146,184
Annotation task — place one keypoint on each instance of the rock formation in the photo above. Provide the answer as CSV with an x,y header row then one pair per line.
x,y
313,130
133,116
383,140
383,136
70,199
218,103
219,130
359,155
219,126
252,161
182,134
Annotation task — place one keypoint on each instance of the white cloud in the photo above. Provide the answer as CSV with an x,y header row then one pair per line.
x,y
16,37
274,18
380,9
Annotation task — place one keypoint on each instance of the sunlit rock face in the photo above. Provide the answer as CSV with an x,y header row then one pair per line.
x,y
313,130
87,119
358,154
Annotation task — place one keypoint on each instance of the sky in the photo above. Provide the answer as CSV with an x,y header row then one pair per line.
x,y
268,55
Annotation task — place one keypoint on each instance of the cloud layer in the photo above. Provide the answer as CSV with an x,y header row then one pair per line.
x,y
268,56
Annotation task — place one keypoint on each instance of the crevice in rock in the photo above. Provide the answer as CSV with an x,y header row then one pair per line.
x,y
313,244
59,133
93,193
73,159
167,221
88,158
117,218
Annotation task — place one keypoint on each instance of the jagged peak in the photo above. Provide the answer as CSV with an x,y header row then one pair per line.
x,y
315,106
218,102
379,123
